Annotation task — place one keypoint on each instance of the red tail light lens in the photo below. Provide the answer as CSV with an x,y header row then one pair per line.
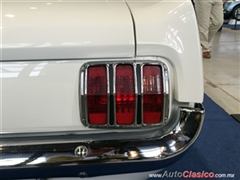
x,y
125,95
152,94
97,100
119,106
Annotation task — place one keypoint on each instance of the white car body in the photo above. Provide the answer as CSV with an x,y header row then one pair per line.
x,y
44,45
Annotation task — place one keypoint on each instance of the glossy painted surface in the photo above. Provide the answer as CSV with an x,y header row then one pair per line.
x,y
40,94
169,29
228,8
66,30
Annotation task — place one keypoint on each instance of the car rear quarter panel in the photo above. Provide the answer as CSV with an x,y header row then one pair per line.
x,y
169,29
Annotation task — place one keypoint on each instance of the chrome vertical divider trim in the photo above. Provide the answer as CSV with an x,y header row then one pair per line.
x,y
166,89
139,94
108,94
82,94
141,75
111,98
114,94
136,93
85,95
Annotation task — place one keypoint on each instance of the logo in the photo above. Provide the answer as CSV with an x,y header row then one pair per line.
x,y
81,151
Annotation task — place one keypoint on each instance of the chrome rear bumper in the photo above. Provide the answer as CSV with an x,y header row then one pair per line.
x,y
94,158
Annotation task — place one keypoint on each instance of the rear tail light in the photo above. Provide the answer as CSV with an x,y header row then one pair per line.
x,y
152,94
97,100
125,95
112,98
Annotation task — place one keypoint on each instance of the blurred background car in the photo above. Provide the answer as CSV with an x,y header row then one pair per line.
x,y
230,9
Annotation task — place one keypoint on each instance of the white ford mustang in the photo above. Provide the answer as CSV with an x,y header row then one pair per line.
x,y
91,88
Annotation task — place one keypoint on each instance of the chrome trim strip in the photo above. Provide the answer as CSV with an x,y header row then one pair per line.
x,y
108,94
111,110
136,93
114,93
85,97
86,152
139,95
141,74
166,89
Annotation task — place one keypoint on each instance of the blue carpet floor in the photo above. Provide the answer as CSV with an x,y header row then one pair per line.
x,y
231,26
218,147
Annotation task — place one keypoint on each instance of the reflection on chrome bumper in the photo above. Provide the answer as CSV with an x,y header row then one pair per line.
x,y
88,153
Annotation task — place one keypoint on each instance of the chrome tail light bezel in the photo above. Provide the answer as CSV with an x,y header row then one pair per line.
x,y
111,92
